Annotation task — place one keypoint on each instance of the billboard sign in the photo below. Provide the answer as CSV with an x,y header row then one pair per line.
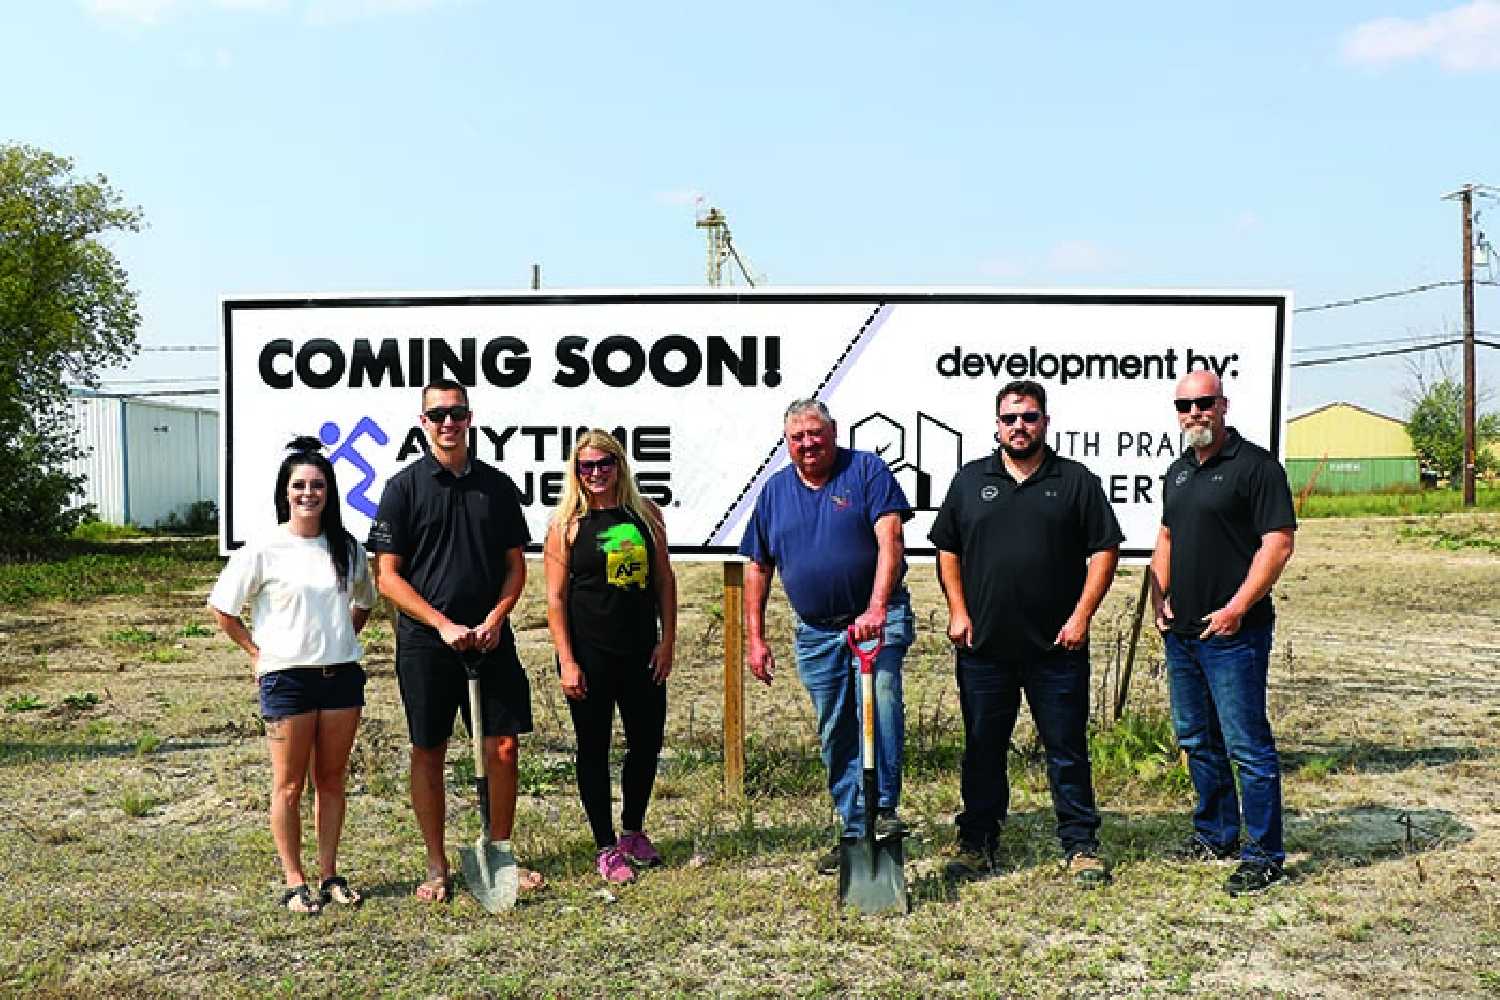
x,y
694,384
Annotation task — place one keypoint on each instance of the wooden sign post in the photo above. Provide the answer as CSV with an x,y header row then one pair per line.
x,y
734,681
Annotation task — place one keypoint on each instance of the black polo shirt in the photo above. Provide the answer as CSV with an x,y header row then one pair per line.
x,y
452,534
1023,548
1217,513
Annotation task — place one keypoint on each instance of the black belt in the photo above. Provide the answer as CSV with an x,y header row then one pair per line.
x,y
837,622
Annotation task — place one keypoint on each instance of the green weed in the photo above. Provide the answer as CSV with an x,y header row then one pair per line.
x,y
131,636
24,703
136,803
165,654
102,531
79,702
194,630
148,743
1138,748
1320,767
1453,539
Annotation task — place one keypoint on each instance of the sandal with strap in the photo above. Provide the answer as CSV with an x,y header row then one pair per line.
x,y
336,890
305,905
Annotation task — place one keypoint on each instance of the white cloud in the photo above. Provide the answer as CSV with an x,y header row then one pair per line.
x,y
682,196
1246,222
1463,40
1079,256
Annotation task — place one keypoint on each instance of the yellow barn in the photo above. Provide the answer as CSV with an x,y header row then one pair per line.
x,y
1343,448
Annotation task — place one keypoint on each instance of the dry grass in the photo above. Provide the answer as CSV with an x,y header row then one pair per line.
x,y
138,862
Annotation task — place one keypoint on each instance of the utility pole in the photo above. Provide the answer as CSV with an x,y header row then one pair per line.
x,y
1465,198
536,277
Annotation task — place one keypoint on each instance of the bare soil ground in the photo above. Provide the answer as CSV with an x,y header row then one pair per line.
x,y
137,860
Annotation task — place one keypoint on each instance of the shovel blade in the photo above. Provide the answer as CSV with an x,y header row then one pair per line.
x,y
872,876
490,874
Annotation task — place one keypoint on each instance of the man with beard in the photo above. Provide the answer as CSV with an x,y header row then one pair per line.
x,y
1226,535
832,521
1027,546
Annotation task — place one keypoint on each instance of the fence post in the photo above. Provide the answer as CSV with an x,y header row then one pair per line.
x,y
734,680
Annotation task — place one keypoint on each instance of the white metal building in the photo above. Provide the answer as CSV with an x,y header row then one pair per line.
x,y
144,460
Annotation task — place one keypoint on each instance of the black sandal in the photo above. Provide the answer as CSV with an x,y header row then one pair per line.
x,y
310,907
336,890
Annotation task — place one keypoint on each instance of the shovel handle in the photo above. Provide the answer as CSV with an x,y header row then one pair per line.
x,y
866,660
476,718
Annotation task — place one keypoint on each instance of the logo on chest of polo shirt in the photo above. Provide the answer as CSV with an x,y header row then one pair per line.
x,y
988,493
1049,493
1182,477
1217,477
839,503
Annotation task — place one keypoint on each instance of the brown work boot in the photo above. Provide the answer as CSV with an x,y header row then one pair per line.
x,y
1087,870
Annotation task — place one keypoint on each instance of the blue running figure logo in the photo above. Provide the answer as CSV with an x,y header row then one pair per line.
x,y
358,495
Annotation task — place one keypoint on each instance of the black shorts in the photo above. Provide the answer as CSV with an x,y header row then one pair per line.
x,y
434,686
295,690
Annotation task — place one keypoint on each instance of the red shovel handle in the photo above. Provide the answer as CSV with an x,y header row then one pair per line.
x,y
866,657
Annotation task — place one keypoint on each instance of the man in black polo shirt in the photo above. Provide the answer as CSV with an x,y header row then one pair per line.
x,y
1027,546
1226,534
450,539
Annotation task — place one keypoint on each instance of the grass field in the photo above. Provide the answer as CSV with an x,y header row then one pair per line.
x,y
138,862
1486,499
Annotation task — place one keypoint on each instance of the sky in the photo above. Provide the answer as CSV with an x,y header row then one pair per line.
x,y
328,146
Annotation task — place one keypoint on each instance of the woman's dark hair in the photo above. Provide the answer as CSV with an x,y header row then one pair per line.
x,y
308,451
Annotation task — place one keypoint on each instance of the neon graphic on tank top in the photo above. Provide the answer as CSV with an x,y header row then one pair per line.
x,y
624,556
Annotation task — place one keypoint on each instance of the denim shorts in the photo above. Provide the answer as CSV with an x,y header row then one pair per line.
x,y
295,690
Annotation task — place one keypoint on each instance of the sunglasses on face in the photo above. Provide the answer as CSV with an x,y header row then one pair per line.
x,y
598,467
438,414
1029,418
1203,403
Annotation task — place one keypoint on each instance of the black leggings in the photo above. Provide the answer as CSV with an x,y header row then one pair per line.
x,y
613,680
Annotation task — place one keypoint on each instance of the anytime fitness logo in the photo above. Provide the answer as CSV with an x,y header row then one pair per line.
x,y
358,495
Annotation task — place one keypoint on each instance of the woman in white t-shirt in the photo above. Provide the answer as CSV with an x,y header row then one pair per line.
x,y
309,590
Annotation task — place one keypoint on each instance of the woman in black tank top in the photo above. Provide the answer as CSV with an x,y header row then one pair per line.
x,y
612,611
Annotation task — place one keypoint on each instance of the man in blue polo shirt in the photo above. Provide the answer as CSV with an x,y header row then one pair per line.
x,y
1226,534
832,522
1027,546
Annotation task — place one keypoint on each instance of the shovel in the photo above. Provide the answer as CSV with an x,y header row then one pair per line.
x,y
872,871
489,872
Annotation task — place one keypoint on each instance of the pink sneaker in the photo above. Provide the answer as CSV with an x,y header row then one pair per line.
x,y
613,867
638,848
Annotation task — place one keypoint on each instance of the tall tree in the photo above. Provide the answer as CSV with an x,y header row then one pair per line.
x,y
66,311
1436,426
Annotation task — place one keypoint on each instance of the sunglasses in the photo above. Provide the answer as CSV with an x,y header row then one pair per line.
x,y
597,467
438,414
1203,403
1029,418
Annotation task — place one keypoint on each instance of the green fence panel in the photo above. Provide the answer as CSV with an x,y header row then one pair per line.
x,y
1354,475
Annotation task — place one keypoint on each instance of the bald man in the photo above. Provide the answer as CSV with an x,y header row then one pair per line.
x,y
1226,535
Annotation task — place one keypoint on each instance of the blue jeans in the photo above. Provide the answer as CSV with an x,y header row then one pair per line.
x,y
825,664
1057,691
1219,713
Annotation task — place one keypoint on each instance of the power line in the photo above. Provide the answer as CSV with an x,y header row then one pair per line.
x,y
180,347
1378,296
1409,339
1374,354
